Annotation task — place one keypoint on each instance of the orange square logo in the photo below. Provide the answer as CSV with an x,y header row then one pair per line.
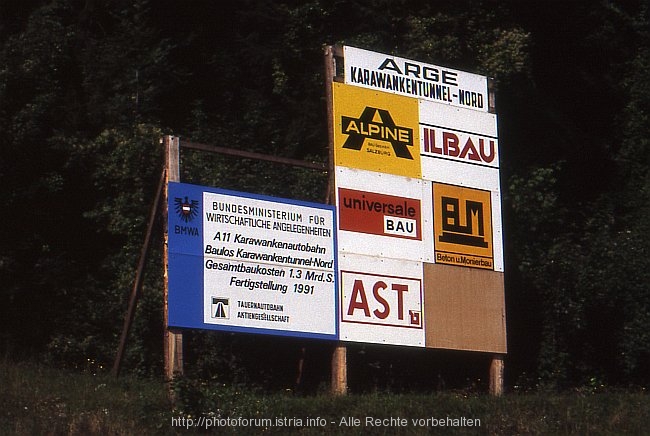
x,y
462,226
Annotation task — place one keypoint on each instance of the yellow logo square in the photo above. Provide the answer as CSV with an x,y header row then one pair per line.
x,y
376,131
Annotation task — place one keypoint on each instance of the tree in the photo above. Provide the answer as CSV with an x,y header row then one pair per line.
x,y
577,228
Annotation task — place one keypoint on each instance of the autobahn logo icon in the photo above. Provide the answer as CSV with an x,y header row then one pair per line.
x,y
220,308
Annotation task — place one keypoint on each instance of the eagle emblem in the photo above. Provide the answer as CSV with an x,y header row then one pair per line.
x,y
186,209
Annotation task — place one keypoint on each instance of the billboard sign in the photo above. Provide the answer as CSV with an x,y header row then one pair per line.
x,y
416,80
249,263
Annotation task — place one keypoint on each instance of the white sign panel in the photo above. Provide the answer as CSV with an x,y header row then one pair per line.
x,y
383,215
381,301
273,262
460,147
460,144
415,79
458,135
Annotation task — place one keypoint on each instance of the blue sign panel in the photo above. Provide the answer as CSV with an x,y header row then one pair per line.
x,y
250,263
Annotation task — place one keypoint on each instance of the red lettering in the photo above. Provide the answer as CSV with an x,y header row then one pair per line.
x,y
470,151
430,142
473,148
362,303
450,144
400,289
375,291
486,157
428,139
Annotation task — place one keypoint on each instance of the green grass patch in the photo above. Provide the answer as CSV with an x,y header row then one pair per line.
x,y
37,400
40,400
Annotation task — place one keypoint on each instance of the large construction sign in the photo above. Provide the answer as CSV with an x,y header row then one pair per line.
x,y
411,253
417,192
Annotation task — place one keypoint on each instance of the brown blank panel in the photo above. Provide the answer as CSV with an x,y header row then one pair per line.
x,y
464,308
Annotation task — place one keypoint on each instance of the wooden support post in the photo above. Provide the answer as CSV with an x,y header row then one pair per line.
x,y
492,100
339,370
339,356
173,338
496,375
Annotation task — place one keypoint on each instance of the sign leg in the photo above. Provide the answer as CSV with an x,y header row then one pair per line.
x,y
172,338
173,353
496,375
339,370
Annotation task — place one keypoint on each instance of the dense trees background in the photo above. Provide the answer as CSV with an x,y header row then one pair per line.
x,y
87,87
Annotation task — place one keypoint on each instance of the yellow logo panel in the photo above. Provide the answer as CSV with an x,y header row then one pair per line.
x,y
376,131
462,223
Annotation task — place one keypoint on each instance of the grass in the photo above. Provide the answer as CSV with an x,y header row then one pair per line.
x,y
39,400
36,400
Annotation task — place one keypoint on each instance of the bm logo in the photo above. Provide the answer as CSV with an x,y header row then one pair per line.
x,y
378,124
470,231
462,226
